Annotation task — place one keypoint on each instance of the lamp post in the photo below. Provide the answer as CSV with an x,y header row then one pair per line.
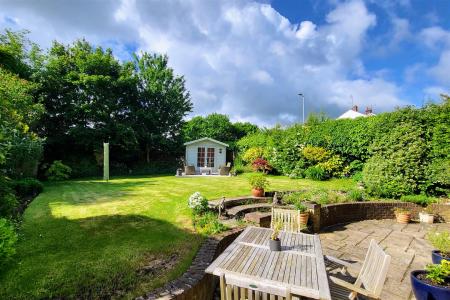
x,y
303,106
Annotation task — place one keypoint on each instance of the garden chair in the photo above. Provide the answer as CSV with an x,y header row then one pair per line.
x,y
224,171
290,219
371,277
234,288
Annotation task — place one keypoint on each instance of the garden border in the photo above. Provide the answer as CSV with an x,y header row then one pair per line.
x,y
195,283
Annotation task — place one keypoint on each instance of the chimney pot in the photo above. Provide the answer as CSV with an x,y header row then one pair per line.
x,y
355,108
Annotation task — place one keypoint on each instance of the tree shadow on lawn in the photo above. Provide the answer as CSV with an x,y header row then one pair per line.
x,y
97,257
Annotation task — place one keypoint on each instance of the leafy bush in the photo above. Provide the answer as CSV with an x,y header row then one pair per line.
x,y
24,155
356,195
438,177
421,199
440,241
438,274
252,154
28,187
301,207
58,171
315,154
396,167
315,173
8,239
261,165
357,177
198,203
332,166
208,224
258,181
8,201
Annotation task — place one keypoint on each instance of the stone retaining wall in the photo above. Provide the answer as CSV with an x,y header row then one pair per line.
x,y
195,284
357,211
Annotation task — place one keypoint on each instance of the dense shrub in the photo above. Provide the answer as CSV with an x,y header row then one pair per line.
x,y
27,187
356,195
208,224
258,181
8,201
58,171
8,239
252,154
396,167
23,157
421,199
316,173
198,203
261,165
315,154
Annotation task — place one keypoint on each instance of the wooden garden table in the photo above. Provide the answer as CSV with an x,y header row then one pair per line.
x,y
299,266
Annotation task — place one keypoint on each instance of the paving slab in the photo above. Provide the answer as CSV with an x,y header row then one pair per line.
x,y
406,244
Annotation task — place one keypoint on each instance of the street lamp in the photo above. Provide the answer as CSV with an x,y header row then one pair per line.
x,y
303,105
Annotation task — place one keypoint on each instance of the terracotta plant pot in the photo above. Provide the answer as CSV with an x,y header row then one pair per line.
x,y
403,218
304,218
258,192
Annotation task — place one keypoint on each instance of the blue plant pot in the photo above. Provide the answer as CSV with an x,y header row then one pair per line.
x,y
425,291
436,257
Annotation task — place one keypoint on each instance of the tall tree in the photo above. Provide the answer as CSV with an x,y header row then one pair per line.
x,y
162,103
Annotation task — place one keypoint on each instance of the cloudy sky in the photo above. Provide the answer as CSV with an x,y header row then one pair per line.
x,y
250,59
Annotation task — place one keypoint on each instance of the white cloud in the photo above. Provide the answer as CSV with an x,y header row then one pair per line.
x,y
241,58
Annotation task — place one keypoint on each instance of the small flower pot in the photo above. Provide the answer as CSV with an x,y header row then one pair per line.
x,y
275,245
424,291
256,192
403,218
304,218
436,257
426,218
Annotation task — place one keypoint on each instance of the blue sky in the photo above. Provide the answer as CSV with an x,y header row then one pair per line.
x,y
249,59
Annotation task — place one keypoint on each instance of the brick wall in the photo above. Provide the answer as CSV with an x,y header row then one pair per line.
x,y
357,211
195,284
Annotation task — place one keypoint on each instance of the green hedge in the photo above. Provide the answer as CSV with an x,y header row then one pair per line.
x,y
403,152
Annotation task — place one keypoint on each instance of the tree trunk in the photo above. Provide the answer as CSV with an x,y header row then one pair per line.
x,y
147,149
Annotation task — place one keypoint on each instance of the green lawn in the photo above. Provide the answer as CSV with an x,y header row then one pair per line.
x,y
91,239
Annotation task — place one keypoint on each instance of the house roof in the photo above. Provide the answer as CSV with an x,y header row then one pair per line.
x,y
351,114
206,139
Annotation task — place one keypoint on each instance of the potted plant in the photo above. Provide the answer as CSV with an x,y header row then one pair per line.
x,y
403,215
258,182
441,242
274,242
426,216
432,283
304,214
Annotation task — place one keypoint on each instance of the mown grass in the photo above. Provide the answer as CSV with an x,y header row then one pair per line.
x,y
89,239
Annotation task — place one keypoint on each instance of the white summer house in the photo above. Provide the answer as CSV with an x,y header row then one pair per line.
x,y
206,153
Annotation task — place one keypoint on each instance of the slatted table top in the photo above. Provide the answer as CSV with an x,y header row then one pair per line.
x,y
299,265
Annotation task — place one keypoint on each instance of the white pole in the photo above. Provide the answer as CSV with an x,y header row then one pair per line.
x,y
106,161
303,107
303,98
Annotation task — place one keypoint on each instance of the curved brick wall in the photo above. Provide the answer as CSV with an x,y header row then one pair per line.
x,y
357,211
195,283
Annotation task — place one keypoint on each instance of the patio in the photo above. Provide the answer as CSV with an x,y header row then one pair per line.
x,y
405,243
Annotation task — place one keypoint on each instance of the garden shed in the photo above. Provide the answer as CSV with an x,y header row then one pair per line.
x,y
206,154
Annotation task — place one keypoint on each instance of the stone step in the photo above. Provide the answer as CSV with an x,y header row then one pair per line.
x,y
243,209
232,202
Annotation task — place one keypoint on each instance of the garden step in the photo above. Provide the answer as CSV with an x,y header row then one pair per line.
x,y
231,202
242,209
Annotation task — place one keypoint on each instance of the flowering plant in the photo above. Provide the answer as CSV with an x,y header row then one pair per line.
x,y
198,202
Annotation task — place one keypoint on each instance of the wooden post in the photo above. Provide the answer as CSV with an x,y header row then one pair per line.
x,y
106,161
